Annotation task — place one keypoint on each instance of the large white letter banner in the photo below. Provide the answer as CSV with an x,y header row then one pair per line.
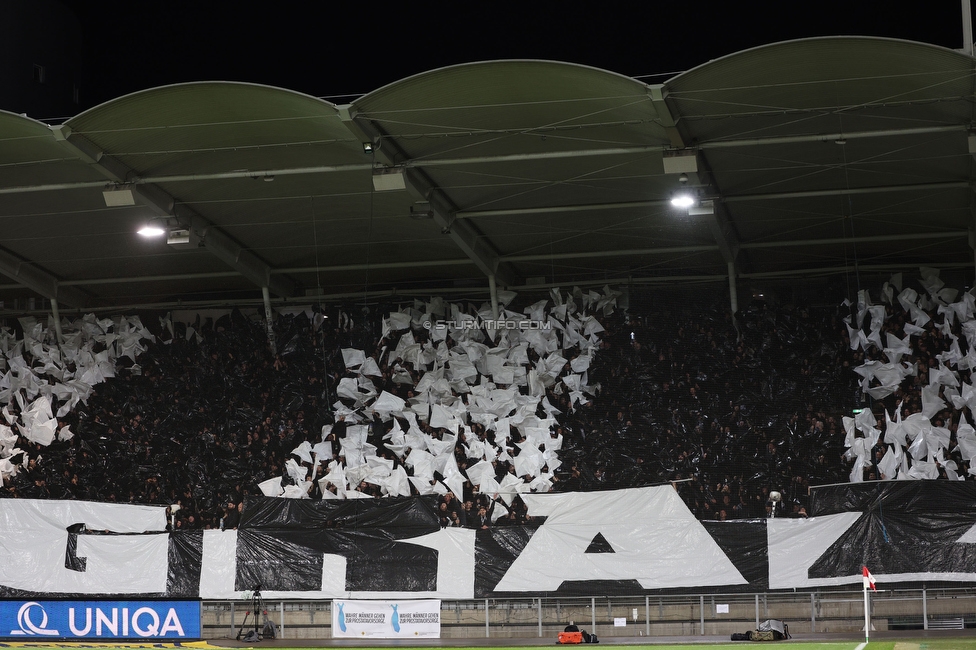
x,y
386,619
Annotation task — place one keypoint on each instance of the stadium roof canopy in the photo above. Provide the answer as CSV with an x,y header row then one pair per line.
x,y
805,156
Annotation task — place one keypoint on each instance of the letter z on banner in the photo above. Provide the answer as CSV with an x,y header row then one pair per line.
x,y
386,619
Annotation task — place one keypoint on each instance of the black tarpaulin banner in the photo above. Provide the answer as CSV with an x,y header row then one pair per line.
x,y
744,541
281,543
289,560
904,527
185,564
921,497
495,550
412,514
622,542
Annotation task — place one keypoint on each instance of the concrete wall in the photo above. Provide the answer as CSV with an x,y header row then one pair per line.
x,y
666,616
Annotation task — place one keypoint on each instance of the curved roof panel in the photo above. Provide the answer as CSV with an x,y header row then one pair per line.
x,y
502,107
823,85
212,127
30,156
806,155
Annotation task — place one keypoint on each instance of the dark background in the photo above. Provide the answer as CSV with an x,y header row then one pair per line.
x,y
342,50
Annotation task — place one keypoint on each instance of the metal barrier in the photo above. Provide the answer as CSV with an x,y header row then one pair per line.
x,y
821,611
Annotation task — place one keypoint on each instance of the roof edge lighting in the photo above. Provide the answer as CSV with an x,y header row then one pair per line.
x,y
151,230
683,200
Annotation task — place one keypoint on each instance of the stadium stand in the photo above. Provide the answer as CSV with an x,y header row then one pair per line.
x,y
694,401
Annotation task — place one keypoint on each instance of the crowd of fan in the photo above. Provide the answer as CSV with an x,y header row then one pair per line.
x,y
725,410
915,354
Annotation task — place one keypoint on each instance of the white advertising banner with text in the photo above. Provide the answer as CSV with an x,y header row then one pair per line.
x,y
386,619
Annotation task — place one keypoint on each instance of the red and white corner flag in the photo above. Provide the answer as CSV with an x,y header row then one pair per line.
x,y
869,580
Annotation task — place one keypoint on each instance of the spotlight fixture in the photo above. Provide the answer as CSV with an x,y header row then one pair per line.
x,y
683,200
152,229
159,226
684,197
367,147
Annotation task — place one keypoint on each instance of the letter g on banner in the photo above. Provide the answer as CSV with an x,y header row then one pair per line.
x,y
27,626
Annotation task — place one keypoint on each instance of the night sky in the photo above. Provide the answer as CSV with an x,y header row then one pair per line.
x,y
341,50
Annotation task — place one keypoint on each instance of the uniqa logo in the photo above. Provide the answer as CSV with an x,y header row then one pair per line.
x,y
27,626
144,622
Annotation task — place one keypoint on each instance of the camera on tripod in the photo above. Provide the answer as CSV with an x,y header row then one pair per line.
x,y
259,611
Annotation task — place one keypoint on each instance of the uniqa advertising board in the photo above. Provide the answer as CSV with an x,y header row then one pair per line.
x,y
386,619
100,619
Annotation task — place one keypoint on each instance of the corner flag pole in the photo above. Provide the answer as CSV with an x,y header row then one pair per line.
x,y
867,613
868,581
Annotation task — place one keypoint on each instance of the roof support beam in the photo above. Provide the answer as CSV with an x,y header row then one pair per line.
x,y
867,239
830,270
59,335
386,151
474,160
219,243
538,156
741,198
235,274
717,217
792,243
733,290
32,277
544,257
632,252
841,191
832,137
559,209
468,239
727,240
715,214
720,227
482,291
658,94
228,250
718,221
375,266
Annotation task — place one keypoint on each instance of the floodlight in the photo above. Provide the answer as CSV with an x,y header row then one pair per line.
x,y
152,229
683,200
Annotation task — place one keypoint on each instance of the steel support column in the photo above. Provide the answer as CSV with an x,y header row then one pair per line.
x,y
266,294
493,290
57,321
